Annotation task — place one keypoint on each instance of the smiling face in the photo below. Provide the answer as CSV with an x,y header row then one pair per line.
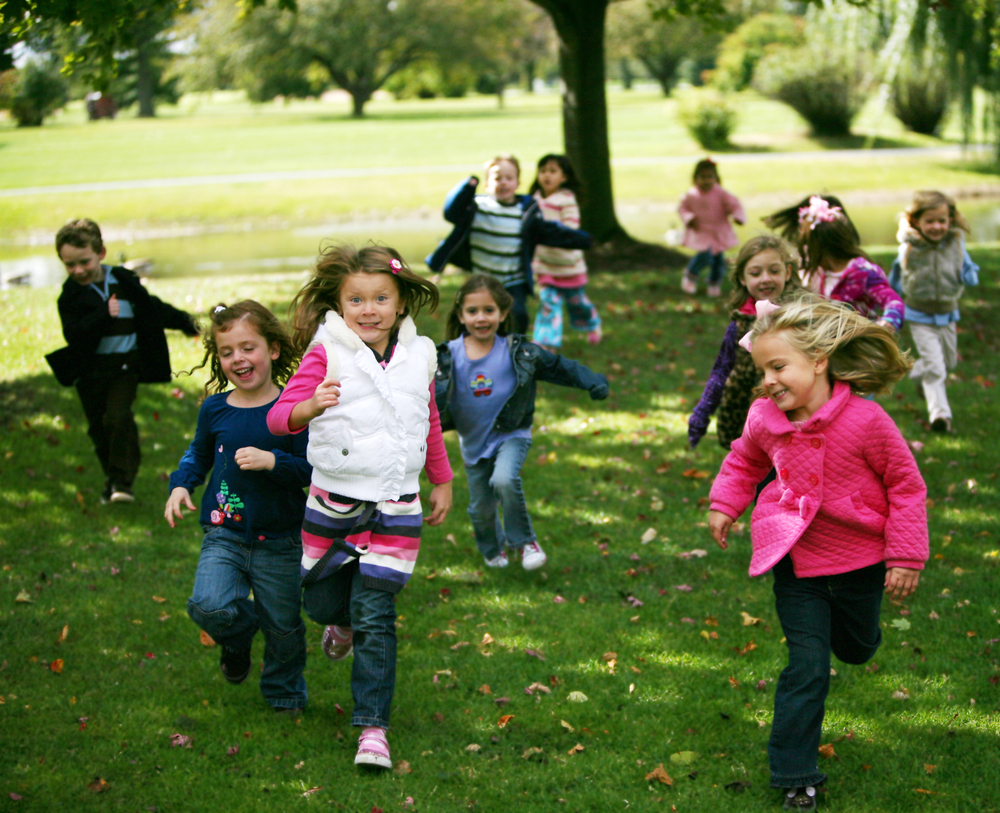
x,y
245,358
705,179
934,223
797,384
550,177
765,275
82,264
371,305
502,180
481,317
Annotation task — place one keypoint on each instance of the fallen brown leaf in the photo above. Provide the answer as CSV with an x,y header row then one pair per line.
x,y
206,639
659,774
502,722
827,751
576,749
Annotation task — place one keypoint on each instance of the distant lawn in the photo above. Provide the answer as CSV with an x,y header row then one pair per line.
x,y
652,633
223,135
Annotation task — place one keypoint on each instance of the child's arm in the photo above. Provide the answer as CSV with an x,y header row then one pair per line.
x,y
459,198
896,272
196,463
878,290
307,395
437,467
735,485
710,398
733,207
174,318
554,234
686,211
565,372
906,537
83,326
970,271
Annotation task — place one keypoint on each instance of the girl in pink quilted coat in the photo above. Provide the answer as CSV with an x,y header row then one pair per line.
x,y
844,521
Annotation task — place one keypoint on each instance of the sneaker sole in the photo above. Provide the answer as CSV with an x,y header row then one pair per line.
x,y
121,496
534,565
235,680
338,657
371,760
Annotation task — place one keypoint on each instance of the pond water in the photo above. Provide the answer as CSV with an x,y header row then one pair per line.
x,y
295,248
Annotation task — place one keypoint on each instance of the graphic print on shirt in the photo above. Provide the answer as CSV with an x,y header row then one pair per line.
x,y
229,504
481,385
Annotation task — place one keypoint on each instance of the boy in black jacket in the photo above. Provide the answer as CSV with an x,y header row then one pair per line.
x,y
114,329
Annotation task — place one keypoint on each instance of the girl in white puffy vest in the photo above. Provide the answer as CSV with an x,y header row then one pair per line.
x,y
365,389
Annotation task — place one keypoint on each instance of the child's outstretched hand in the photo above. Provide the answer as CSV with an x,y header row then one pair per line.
x,y
719,524
326,395
250,458
179,497
900,582
114,306
440,503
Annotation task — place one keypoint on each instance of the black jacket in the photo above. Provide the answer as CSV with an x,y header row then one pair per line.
x,y
531,364
85,321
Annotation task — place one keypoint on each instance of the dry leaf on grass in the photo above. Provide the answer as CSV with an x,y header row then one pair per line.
x,y
206,639
502,722
576,749
659,774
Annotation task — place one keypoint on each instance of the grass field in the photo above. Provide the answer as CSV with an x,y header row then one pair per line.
x,y
429,144
100,667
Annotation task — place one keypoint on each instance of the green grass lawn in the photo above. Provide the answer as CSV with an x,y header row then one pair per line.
x,y
435,141
100,666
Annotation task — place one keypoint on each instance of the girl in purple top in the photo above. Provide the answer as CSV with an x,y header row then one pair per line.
x,y
835,267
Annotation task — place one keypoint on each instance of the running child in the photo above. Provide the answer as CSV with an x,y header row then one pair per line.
x,y
114,330
364,389
786,221
845,520
561,272
764,268
931,271
485,389
497,233
252,507
835,267
705,211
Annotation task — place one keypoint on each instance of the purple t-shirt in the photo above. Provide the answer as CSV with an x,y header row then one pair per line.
x,y
482,387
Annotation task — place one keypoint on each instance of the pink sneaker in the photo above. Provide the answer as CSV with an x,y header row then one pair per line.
x,y
338,642
373,749
594,337
532,556
714,290
689,285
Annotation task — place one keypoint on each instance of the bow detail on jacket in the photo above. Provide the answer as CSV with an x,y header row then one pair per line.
x,y
764,307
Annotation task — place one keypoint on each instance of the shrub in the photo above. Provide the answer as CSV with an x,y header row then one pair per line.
x,y
920,96
821,85
741,50
33,92
709,117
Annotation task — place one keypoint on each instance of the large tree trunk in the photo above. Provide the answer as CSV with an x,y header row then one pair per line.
x,y
145,81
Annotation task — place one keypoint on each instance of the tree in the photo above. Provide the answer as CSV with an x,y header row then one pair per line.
x,y
32,93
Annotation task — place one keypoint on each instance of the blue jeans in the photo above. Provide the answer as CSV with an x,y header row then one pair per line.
x,y
716,265
220,604
344,599
496,482
818,614
549,319
519,310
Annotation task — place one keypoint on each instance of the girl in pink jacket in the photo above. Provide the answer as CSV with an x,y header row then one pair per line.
x,y
705,210
844,521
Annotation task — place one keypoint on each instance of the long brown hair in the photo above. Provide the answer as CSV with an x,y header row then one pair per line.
x,y
222,319
750,249
335,263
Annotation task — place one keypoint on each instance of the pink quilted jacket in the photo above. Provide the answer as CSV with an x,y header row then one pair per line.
x,y
848,493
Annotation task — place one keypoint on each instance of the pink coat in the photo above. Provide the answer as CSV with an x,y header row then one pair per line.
x,y
711,211
848,493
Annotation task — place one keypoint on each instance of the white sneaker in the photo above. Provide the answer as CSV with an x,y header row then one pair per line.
x,y
500,560
689,285
532,556
714,290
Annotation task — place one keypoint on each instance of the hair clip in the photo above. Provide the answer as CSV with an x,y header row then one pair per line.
x,y
219,309
395,265
764,307
818,211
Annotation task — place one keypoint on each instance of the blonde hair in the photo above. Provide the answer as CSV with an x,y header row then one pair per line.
x,y
927,199
750,249
504,156
858,351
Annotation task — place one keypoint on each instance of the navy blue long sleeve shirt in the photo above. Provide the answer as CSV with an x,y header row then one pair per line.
x,y
257,504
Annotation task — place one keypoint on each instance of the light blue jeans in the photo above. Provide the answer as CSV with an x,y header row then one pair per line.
x,y
716,264
220,604
495,483
549,319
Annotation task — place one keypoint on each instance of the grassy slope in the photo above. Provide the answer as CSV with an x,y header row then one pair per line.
x,y
134,672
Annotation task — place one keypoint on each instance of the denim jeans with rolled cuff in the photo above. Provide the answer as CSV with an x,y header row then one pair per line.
x,y
818,615
345,600
220,604
495,482
715,261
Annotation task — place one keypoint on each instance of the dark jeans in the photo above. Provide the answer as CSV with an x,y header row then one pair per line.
x,y
107,403
818,615
220,604
519,310
716,264
344,599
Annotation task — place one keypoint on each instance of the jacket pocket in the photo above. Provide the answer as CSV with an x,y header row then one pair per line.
x,y
852,512
331,449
